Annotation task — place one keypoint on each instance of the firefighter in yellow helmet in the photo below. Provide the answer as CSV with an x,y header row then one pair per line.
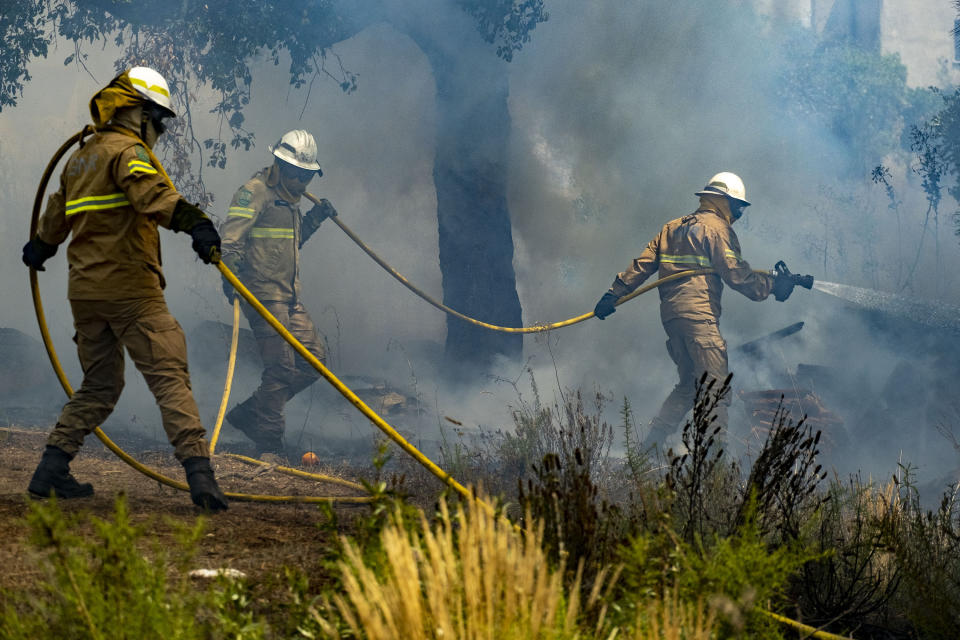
x,y
262,237
113,195
690,307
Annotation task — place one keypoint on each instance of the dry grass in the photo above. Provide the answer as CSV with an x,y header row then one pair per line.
x,y
672,619
475,576
472,576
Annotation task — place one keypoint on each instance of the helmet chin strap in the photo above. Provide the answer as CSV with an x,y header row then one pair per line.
x,y
143,124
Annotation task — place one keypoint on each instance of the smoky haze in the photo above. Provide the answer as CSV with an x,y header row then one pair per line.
x,y
619,113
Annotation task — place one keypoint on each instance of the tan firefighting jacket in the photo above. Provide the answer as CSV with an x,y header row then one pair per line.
x,y
702,240
261,238
111,198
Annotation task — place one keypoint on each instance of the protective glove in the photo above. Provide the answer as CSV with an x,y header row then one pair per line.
x,y
186,216
191,218
322,211
606,306
782,287
206,241
316,215
36,252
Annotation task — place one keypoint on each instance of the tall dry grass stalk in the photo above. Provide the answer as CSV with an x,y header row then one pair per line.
x,y
883,501
669,618
471,577
474,576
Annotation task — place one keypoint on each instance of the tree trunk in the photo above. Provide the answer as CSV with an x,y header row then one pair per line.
x,y
470,174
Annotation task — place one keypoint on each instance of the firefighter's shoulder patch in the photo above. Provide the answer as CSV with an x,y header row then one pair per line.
x,y
244,197
141,153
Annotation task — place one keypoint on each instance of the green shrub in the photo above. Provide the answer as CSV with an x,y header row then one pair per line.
x,y
735,573
104,586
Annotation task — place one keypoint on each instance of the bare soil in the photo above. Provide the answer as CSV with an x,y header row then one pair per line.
x,y
259,539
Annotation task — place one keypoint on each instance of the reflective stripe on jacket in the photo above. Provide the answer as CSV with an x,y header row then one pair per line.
x,y
111,198
264,230
702,240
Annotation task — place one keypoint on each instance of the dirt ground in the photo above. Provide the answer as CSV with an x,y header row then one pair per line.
x,y
256,538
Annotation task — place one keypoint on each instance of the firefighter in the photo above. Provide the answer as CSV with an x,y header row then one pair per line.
x,y
263,234
690,307
113,194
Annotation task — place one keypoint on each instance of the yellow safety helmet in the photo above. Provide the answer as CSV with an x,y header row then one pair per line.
x,y
151,85
727,184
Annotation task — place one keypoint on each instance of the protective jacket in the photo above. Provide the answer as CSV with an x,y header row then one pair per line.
x,y
112,198
702,240
262,236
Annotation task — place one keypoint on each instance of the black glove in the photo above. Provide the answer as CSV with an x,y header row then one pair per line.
x,y
206,241
784,281
316,215
322,211
782,287
606,306
186,216
36,252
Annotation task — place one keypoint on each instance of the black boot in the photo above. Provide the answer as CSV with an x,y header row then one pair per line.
x,y
53,476
204,490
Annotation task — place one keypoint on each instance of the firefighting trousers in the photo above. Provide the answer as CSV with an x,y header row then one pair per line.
x,y
157,346
695,347
285,374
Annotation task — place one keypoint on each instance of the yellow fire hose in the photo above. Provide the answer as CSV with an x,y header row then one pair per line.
x,y
532,329
228,383
385,427
812,632
296,472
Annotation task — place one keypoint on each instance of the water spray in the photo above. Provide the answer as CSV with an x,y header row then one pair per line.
x,y
930,313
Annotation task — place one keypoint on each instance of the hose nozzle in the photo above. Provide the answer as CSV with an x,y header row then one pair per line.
x,y
785,281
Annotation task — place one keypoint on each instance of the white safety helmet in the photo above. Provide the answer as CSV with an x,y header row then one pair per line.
x,y
727,184
153,87
298,148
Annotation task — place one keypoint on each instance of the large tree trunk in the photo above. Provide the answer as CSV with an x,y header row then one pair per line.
x,y
470,174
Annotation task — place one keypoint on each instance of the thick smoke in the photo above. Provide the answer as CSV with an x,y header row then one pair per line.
x,y
620,112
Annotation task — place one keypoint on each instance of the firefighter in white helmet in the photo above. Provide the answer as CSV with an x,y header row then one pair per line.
x,y
262,237
113,195
690,307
